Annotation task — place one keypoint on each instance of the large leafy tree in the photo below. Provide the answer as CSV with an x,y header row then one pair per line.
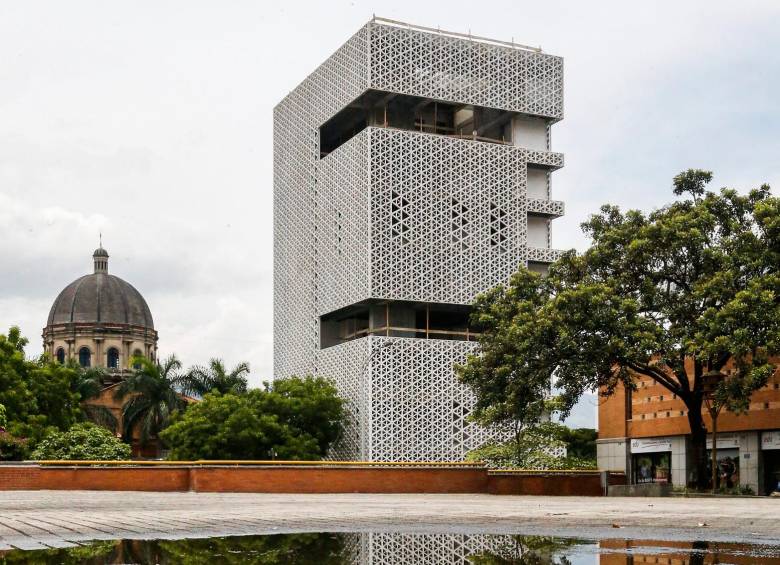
x,y
294,418
150,397
215,377
685,292
38,395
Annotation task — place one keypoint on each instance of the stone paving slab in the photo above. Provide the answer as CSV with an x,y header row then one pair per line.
x,y
34,519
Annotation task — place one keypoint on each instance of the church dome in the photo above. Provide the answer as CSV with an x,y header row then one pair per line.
x,y
100,298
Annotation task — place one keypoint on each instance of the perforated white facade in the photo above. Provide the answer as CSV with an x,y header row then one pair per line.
x,y
378,548
395,214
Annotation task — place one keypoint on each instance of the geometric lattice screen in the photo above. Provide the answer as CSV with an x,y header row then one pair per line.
x,y
406,403
403,215
454,549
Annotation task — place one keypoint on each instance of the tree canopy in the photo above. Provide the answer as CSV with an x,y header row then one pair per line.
x,y
689,289
38,395
293,418
150,397
199,380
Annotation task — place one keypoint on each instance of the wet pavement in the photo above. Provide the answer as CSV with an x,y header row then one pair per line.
x,y
51,519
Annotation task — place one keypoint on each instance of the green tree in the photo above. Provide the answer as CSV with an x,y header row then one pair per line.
x,y
150,397
294,418
15,393
12,448
323,548
37,394
84,441
535,447
694,282
199,380
528,550
580,442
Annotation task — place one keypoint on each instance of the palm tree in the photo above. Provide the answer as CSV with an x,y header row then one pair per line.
x,y
202,380
153,398
89,384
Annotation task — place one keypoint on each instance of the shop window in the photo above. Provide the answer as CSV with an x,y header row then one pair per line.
x,y
728,468
85,357
771,471
652,467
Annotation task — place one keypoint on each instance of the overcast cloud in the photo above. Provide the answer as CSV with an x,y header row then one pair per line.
x,y
152,121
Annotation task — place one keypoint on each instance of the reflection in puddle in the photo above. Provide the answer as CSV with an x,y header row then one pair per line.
x,y
381,548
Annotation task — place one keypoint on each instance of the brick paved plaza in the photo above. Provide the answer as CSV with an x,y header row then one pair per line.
x,y
34,519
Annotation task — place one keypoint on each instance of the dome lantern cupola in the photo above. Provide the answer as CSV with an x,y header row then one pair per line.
x,y
100,257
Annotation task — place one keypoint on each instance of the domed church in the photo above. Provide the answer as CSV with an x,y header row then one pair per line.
x,y
100,320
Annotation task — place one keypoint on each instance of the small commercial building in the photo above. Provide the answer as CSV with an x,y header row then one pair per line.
x,y
645,433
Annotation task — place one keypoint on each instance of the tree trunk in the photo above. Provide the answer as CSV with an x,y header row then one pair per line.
x,y
714,463
698,443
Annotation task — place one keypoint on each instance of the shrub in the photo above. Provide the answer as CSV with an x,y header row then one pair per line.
x,y
292,418
82,441
12,448
534,447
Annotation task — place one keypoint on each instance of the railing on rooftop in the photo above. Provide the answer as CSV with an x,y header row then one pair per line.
x,y
456,34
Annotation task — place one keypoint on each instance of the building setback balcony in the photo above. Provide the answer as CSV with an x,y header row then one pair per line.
x,y
462,121
395,318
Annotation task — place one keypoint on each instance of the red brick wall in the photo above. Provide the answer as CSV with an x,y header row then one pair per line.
x,y
657,412
298,480
332,480
19,477
155,479
578,484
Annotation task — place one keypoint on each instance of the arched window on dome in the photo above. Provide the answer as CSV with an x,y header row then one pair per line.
x,y
137,353
85,357
60,355
113,358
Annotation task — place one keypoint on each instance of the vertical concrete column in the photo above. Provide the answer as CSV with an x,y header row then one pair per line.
x,y
681,461
126,353
750,461
99,361
614,454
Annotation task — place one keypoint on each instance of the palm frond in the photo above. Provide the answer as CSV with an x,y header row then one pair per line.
x,y
101,415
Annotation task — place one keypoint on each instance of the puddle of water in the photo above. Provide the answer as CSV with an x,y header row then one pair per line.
x,y
381,548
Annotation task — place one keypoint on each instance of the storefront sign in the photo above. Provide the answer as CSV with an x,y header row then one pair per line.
x,y
725,441
651,445
770,440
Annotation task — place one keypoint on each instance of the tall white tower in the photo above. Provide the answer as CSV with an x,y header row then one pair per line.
x,y
411,173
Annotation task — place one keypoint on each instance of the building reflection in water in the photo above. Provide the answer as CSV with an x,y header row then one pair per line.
x,y
398,548
631,552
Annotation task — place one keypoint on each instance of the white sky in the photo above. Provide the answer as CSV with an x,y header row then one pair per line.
x,y
151,121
